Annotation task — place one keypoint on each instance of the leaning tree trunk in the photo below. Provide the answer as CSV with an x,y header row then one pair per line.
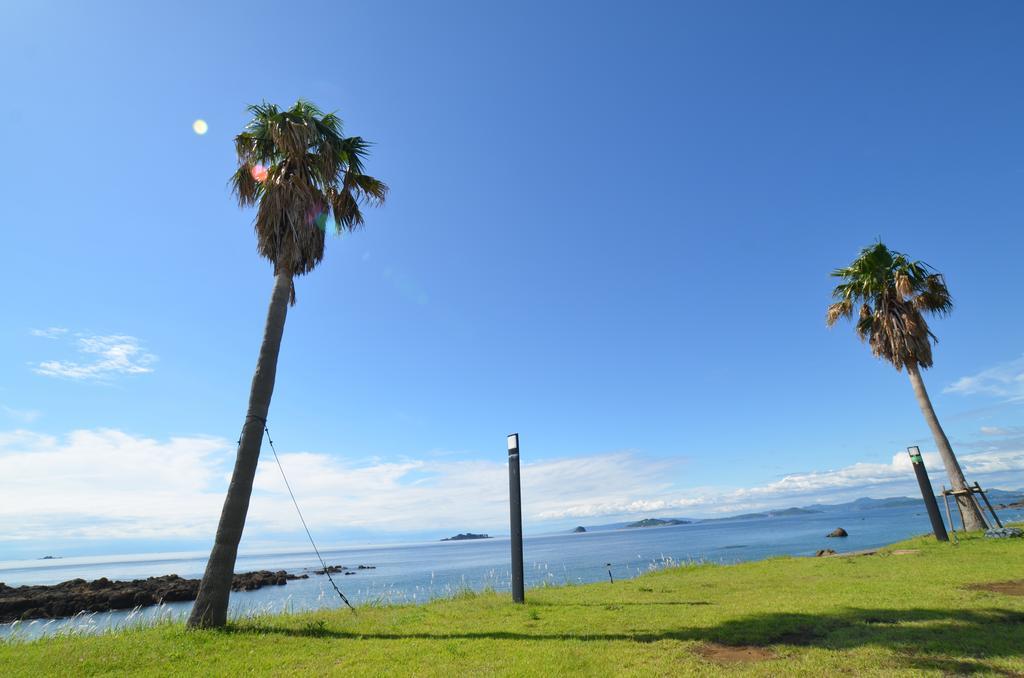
x,y
973,519
211,606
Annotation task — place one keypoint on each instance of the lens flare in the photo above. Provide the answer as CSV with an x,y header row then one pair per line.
x,y
200,127
317,215
259,173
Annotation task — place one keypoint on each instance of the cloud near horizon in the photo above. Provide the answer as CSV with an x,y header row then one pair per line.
x,y
107,484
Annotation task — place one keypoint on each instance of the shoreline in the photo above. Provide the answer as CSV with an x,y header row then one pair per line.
x,y
77,596
66,600
939,608
136,599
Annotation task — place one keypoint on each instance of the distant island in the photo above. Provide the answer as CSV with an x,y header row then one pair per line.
x,y
658,522
579,530
769,514
468,535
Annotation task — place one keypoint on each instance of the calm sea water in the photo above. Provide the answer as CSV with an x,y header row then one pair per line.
x,y
420,572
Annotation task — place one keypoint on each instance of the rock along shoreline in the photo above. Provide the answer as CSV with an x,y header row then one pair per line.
x,y
102,595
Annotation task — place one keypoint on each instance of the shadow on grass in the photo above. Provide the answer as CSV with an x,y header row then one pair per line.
x,y
926,639
619,603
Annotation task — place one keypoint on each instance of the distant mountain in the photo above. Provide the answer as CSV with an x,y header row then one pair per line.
x,y
658,522
866,503
794,511
1005,497
997,497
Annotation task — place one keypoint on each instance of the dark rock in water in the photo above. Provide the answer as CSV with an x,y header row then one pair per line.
x,y
825,552
467,535
838,532
51,558
1004,533
77,595
332,569
250,581
579,530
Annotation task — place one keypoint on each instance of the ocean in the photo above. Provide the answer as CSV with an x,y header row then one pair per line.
x,y
416,573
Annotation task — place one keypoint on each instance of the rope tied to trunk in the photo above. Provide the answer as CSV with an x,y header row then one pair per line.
x,y
327,570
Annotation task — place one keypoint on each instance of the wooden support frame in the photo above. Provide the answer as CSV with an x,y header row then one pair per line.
x,y
949,517
970,491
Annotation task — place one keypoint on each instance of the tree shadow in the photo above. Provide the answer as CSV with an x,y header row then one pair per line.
x,y
925,639
622,603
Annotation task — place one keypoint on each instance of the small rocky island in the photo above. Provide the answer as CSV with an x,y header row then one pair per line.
x,y
658,522
467,535
579,530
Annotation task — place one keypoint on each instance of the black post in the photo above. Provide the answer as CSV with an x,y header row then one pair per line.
x,y
515,501
927,493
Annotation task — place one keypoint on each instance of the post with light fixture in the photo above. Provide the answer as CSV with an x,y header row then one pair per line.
x,y
927,493
515,501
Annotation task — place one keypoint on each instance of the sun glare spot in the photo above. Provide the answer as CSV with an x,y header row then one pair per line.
x,y
259,173
200,127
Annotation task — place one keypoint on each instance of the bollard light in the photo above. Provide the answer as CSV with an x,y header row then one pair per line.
x,y
927,493
515,505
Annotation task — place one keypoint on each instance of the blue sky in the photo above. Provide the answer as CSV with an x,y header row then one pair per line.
x,y
610,229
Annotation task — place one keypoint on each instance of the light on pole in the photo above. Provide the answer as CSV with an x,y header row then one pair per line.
x,y
515,518
927,493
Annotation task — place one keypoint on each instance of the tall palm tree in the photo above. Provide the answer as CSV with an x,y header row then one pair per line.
x,y
894,294
298,169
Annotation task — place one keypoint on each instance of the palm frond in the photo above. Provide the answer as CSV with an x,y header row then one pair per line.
x,y
894,293
840,309
296,166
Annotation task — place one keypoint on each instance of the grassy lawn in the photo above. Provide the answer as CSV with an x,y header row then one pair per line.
x,y
883,614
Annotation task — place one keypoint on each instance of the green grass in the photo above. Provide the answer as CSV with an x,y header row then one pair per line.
x,y
882,614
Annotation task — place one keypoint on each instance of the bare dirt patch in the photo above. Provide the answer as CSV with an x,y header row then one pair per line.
x,y
905,552
1009,588
734,654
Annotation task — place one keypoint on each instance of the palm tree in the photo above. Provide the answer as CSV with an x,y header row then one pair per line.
x,y
296,166
894,294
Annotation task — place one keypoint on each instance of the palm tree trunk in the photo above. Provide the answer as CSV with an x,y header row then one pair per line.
x,y
211,606
973,519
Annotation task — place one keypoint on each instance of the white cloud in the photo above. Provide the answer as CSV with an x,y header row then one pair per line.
x,y
113,354
1005,380
994,431
443,495
25,416
833,486
107,484
49,332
